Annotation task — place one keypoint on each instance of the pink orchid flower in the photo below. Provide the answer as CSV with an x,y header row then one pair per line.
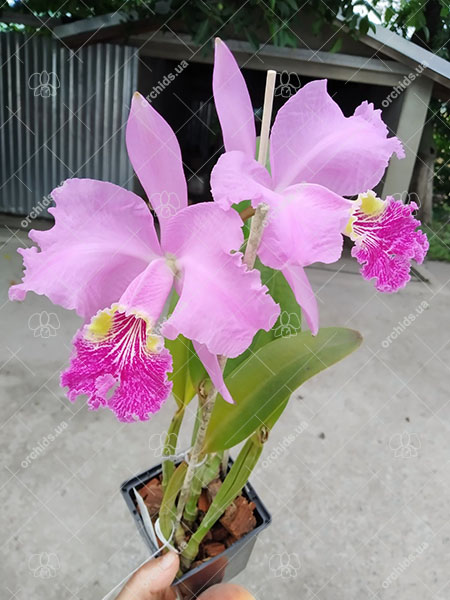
x,y
317,156
103,258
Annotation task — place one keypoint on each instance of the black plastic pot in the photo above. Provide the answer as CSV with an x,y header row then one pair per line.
x,y
219,569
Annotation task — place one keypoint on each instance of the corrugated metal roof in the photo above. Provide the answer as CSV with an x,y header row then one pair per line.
x,y
62,115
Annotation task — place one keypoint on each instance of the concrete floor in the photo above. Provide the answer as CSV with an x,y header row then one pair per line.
x,y
356,474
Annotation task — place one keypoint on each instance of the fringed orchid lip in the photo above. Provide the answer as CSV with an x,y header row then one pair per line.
x,y
386,240
120,364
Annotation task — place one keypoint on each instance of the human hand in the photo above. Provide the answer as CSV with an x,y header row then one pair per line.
x,y
152,582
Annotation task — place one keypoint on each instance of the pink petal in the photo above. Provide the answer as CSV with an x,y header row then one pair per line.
x,y
120,368
313,142
296,277
148,292
236,177
211,363
222,305
387,242
156,158
233,103
102,239
305,226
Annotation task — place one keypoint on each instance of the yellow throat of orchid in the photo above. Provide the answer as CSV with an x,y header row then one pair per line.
x,y
101,326
369,205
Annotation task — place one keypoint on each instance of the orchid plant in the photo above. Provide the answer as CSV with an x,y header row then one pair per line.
x,y
195,310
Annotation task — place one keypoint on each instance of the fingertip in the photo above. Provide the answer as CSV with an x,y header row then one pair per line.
x,y
155,576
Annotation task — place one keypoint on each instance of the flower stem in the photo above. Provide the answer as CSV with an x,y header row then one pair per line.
x,y
254,240
204,475
256,231
232,486
170,445
207,405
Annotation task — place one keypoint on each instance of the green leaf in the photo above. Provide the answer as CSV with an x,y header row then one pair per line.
x,y
336,47
266,380
179,349
202,32
167,510
187,372
364,25
171,443
388,14
197,371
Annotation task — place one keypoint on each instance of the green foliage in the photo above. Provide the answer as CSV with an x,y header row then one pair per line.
x,y
439,237
274,19
266,380
167,510
187,371
427,22
440,114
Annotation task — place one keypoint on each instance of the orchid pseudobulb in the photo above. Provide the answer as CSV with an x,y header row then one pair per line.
x,y
103,258
317,157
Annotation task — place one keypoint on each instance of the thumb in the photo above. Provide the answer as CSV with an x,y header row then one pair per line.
x,y
152,579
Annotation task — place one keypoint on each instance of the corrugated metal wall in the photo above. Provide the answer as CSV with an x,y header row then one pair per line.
x,y
62,115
